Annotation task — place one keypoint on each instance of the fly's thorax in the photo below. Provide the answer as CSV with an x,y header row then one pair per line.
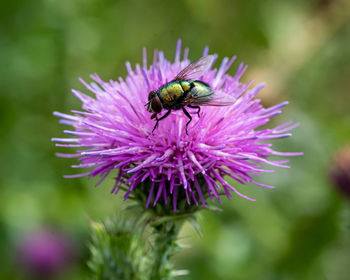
x,y
186,85
171,94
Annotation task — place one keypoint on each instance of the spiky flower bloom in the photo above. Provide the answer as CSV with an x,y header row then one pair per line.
x,y
115,130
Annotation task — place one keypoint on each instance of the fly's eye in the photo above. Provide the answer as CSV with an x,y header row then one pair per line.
x,y
156,105
151,95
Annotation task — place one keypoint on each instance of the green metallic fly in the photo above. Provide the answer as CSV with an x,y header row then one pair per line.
x,y
186,90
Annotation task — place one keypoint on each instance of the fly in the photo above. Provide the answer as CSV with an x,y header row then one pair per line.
x,y
186,91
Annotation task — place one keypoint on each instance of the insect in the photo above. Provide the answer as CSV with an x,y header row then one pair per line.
x,y
186,90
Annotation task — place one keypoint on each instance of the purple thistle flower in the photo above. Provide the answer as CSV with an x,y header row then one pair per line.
x,y
114,130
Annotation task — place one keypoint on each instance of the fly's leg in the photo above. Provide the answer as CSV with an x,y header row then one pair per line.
x,y
162,118
189,116
195,107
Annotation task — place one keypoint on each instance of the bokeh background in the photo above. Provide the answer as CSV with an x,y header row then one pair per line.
x,y
301,49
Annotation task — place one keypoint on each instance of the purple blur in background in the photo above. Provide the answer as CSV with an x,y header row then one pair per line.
x,y
45,254
340,171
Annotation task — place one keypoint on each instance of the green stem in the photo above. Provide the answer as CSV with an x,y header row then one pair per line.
x,y
164,247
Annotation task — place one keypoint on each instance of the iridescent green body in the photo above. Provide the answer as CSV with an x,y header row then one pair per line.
x,y
173,94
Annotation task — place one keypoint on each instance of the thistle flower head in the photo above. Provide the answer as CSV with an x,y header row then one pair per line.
x,y
113,134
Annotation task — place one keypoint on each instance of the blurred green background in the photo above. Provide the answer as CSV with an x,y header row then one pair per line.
x,y
300,230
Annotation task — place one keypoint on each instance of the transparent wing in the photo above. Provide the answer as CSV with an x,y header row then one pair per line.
x,y
212,98
220,99
196,69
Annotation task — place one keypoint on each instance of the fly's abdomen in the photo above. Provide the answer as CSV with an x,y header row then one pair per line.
x,y
171,95
200,89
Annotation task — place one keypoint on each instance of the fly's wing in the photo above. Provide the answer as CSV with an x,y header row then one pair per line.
x,y
220,99
210,98
196,69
